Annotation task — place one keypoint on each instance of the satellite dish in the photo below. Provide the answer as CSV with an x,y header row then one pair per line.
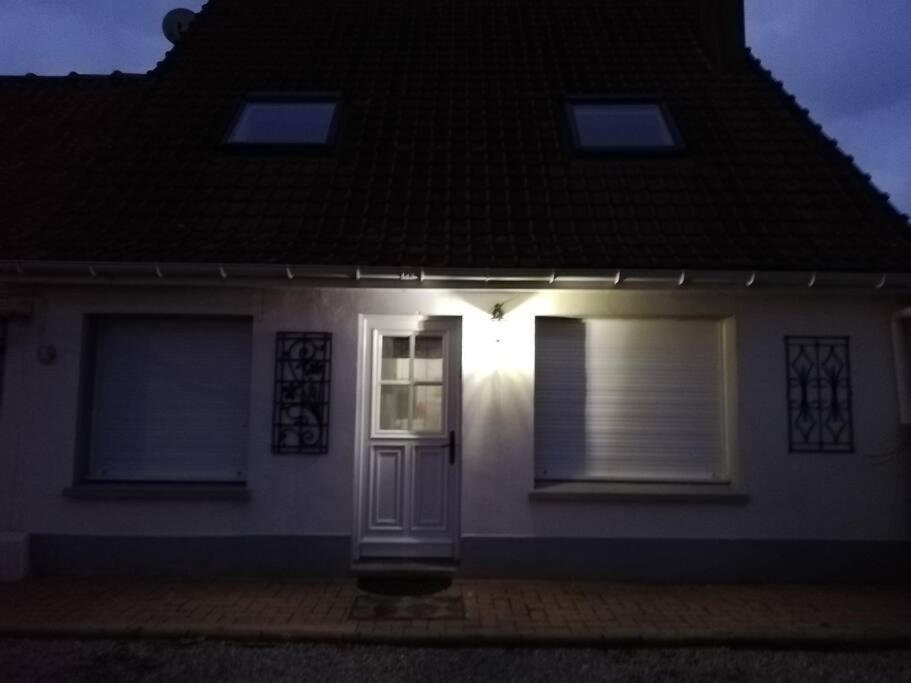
x,y
176,22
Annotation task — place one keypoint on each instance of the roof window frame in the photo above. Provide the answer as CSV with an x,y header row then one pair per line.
x,y
570,101
285,97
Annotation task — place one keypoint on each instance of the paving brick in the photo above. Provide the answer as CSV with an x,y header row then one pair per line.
x,y
94,607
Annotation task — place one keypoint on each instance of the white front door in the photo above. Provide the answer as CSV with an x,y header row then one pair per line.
x,y
408,491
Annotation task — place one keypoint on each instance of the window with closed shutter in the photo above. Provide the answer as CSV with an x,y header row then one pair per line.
x,y
629,400
170,399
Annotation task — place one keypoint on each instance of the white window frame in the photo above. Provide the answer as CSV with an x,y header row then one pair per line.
x,y
376,378
729,474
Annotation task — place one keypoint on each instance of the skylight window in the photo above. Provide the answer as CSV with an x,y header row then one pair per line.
x,y
302,121
605,125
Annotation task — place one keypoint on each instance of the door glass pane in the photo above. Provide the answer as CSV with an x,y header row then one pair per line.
x,y
428,359
428,408
394,406
395,359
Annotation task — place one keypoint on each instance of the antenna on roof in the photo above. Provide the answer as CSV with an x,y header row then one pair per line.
x,y
176,22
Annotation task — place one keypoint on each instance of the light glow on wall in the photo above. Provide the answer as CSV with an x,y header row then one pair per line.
x,y
498,347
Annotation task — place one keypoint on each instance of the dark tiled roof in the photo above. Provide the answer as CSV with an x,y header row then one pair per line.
x,y
51,130
452,151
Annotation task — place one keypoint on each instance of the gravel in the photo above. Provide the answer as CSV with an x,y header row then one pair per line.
x,y
202,660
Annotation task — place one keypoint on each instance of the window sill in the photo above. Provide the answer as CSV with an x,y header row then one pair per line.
x,y
155,491
637,492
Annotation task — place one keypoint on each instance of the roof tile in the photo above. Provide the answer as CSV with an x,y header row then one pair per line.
x,y
451,150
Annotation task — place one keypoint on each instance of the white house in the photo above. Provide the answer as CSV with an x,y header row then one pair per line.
x,y
547,288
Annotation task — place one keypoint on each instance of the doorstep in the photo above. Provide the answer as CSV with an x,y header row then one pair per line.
x,y
404,568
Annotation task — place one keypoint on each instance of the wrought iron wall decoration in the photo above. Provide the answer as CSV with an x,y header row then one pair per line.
x,y
820,416
300,418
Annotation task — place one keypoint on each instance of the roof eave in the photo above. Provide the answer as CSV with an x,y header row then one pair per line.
x,y
205,274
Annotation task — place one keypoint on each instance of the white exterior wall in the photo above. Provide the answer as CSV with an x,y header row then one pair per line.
x,y
860,496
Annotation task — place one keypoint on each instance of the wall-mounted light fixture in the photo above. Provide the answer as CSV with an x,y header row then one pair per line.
x,y
496,317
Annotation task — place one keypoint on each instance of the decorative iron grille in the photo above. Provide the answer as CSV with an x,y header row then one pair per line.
x,y
820,416
300,419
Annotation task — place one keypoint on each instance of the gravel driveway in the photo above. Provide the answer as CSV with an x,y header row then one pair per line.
x,y
73,660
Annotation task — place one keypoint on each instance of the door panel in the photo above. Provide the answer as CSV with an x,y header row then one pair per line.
x,y
429,488
388,508
410,379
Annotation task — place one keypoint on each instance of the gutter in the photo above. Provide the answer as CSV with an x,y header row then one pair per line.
x,y
144,273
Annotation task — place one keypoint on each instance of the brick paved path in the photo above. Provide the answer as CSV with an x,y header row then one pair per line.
x,y
498,611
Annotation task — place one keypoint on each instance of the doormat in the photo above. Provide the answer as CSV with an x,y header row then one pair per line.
x,y
407,607
404,585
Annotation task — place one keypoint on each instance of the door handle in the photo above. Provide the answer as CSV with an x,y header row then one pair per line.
x,y
452,447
